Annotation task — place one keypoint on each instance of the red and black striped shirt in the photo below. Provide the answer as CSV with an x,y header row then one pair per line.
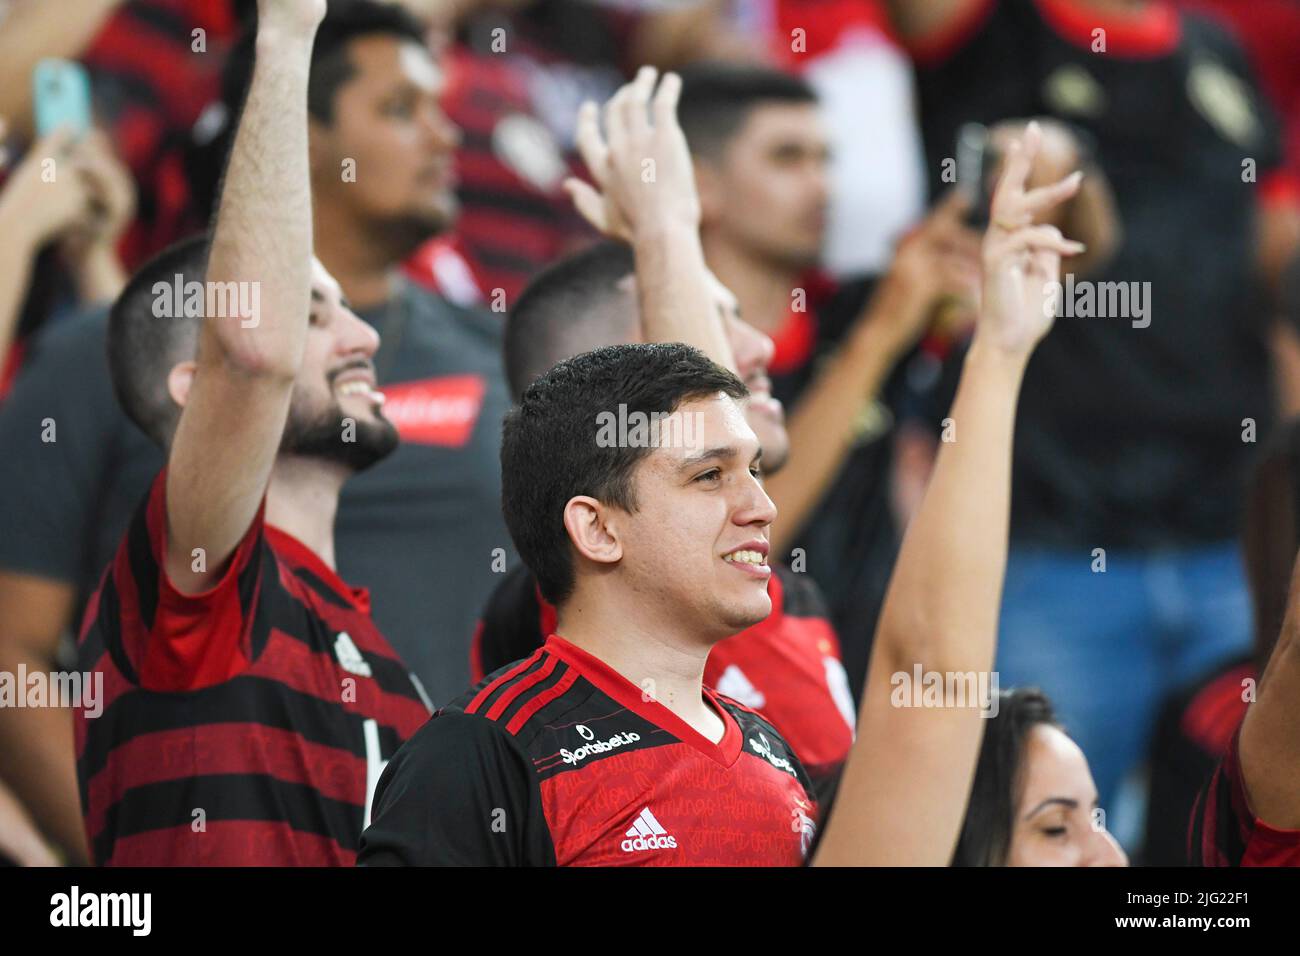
x,y
247,725
560,760
787,666
1225,831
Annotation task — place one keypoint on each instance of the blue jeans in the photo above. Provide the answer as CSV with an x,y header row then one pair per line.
x,y
1108,647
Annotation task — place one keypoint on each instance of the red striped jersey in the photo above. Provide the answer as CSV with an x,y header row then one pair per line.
x,y
560,760
1225,831
247,725
786,666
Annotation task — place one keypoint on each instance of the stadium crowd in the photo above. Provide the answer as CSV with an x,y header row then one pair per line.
x,y
605,432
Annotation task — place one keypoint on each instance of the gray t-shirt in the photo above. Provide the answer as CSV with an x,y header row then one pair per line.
x,y
419,529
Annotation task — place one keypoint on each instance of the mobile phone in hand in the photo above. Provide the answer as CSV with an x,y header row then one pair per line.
x,y
61,97
977,163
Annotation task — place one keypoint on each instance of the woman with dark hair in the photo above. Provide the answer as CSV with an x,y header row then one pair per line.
x,y
1033,802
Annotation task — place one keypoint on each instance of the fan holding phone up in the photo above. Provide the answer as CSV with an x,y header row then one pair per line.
x,y
68,192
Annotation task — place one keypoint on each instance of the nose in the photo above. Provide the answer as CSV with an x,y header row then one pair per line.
x,y
753,349
445,134
356,336
1104,850
754,508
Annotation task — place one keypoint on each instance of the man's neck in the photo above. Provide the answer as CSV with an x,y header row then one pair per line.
x,y
667,666
363,263
302,500
762,288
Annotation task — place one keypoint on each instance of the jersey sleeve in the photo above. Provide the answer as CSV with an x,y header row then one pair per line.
x,y
513,625
1224,830
174,641
458,793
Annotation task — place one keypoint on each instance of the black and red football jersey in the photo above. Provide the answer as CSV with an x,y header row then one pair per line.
x,y
560,760
1225,831
786,666
247,725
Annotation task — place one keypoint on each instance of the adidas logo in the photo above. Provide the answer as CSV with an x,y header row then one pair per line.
x,y
647,833
350,658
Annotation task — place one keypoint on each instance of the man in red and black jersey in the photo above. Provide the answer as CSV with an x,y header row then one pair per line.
x,y
249,701
652,541
788,665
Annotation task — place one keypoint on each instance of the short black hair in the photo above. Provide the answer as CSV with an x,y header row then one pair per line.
x,y
345,21
147,336
550,452
717,99
990,815
573,305
348,20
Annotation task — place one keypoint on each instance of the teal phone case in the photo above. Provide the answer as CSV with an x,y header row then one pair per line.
x,y
61,96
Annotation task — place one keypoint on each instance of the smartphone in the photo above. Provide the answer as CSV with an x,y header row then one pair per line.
x,y
977,164
61,97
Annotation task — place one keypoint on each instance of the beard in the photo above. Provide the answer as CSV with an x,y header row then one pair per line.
x,y
322,437
407,232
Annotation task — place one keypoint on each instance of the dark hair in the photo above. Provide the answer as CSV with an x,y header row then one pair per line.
x,y
143,345
345,21
348,20
717,99
1271,534
573,305
986,832
549,448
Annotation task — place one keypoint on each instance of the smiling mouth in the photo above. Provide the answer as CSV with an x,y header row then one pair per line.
x,y
755,558
361,388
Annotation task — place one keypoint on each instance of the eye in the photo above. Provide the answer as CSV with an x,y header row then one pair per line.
x,y
402,109
712,474
1055,832
756,471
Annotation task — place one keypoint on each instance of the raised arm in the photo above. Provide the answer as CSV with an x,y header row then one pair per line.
x,y
647,197
229,432
1269,746
905,787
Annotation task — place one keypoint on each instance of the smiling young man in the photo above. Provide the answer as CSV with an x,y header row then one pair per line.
x,y
605,747
618,292
249,700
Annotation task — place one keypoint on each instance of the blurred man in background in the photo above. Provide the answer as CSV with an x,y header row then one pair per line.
x,y
761,155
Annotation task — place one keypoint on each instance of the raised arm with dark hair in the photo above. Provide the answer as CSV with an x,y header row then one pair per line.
x,y
904,790
229,433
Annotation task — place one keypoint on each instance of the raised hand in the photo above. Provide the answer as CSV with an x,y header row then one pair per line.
x,y
292,16
1022,261
37,208
110,191
645,183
